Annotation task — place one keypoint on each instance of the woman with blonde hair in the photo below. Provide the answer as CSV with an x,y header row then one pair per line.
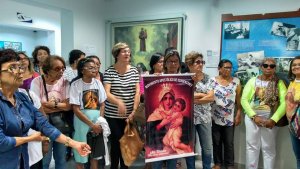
x,y
121,84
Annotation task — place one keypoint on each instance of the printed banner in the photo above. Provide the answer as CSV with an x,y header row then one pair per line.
x,y
169,113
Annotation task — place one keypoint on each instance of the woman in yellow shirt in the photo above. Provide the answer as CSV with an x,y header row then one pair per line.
x,y
292,106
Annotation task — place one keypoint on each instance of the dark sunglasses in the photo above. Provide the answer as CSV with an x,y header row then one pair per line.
x,y
272,66
198,62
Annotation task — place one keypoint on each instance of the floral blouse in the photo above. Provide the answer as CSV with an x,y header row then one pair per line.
x,y
202,113
224,104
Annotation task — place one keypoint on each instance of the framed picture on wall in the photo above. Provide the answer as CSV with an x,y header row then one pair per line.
x,y
148,37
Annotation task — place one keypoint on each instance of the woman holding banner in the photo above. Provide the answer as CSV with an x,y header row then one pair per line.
x,y
171,65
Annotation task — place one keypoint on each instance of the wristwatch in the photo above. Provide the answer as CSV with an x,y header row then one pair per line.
x,y
253,118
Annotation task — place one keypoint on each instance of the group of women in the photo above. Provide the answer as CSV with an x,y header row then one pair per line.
x,y
218,103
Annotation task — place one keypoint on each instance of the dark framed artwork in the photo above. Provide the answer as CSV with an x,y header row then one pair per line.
x,y
148,37
248,39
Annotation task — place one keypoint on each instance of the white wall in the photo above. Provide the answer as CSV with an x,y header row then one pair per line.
x,y
87,22
43,19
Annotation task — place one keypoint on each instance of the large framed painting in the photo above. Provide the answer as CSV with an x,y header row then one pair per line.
x,y
148,37
248,39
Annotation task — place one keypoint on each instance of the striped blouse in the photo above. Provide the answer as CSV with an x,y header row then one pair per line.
x,y
123,86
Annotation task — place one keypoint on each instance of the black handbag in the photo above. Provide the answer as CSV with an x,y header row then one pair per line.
x,y
62,120
58,120
96,142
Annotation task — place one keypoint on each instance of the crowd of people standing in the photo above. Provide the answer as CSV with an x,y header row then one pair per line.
x,y
102,104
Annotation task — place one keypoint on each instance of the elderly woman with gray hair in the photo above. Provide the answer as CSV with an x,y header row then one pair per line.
x,y
121,84
263,100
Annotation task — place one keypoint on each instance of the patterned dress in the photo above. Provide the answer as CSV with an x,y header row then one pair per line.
x,y
202,112
224,105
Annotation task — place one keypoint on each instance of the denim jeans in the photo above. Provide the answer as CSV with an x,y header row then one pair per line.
x,y
296,148
222,137
171,164
190,162
59,155
204,133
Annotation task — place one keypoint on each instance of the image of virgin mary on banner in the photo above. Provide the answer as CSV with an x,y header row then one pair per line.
x,y
169,116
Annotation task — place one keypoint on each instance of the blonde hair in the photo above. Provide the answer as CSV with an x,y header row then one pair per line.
x,y
117,48
191,57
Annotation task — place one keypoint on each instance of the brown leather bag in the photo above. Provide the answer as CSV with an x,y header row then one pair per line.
x,y
130,144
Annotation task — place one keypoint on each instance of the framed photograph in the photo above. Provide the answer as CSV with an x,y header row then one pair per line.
x,y
17,46
148,37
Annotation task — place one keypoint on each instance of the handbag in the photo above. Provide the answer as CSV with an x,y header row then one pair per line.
x,y
62,120
140,114
59,120
294,125
131,144
96,142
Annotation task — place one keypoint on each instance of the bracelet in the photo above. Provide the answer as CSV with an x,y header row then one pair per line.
x,y
67,141
55,104
253,118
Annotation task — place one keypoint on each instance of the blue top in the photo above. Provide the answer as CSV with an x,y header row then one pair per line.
x,y
15,122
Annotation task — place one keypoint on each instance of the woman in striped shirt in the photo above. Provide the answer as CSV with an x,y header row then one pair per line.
x,y
121,84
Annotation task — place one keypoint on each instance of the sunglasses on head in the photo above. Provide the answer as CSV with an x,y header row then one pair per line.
x,y
272,66
198,62
172,52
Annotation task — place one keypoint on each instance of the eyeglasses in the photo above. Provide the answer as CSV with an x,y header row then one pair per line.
x,y
14,69
295,64
57,69
22,59
227,68
175,62
90,68
198,62
272,66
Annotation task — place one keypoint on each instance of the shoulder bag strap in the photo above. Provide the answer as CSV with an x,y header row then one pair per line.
x,y
27,91
44,84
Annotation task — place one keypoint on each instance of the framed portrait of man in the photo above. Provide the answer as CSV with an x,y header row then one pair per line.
x,y
147,37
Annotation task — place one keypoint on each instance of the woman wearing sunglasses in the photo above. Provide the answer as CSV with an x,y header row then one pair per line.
x,y
203,96
263,100
53,90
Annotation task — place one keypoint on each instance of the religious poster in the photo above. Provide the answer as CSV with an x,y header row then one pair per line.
x,y
169,116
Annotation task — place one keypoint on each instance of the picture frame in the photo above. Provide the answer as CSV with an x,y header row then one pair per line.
x,y
146,37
